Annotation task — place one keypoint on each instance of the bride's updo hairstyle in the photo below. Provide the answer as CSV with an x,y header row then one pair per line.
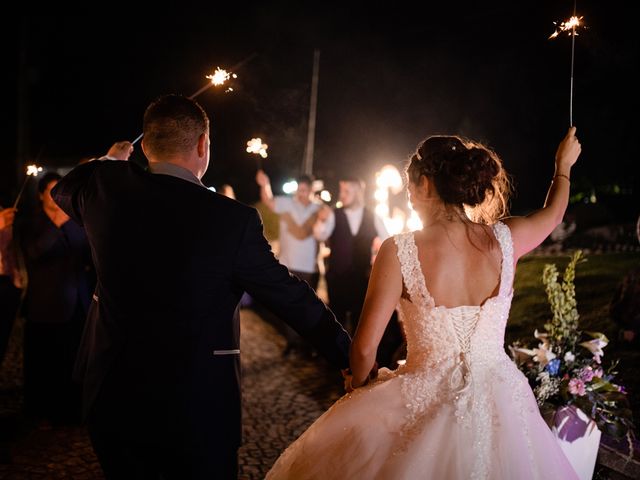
x,y
466,174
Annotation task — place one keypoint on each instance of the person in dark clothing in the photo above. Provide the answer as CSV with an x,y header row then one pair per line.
x,y
354,232
9,279
59,288
351,232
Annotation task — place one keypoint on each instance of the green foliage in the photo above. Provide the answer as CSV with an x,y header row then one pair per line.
x,y
563,327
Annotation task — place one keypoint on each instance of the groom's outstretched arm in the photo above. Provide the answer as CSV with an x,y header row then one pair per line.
x,y
260,274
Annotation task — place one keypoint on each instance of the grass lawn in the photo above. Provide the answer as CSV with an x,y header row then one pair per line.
x,y
596,281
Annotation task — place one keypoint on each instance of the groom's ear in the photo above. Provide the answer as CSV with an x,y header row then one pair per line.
x,y
202,144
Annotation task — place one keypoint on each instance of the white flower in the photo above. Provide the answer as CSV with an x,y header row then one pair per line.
x,y
543,356
520,355
569,357
540,355
595,346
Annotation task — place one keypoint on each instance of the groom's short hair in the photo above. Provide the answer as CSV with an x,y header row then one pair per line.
x,y
172,125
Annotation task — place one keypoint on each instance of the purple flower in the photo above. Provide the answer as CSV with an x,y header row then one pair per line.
x,y
598,373
586,374
576,387
553,367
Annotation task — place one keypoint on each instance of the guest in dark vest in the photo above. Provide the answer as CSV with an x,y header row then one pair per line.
x,y
351,232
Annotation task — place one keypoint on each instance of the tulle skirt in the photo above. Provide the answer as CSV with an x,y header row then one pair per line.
x,y
365,435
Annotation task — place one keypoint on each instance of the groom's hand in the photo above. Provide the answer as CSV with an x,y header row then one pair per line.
x,y
347,378
373,374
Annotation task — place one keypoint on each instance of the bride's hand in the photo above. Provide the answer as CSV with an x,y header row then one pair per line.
x,y
568,152
348,378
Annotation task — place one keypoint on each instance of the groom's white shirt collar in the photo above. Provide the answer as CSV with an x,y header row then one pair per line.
x,y
165,168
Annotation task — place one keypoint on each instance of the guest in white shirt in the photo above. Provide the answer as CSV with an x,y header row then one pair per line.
x,y
298,247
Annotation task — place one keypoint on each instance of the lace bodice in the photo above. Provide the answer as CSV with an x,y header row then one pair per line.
x,y
452,353
436,333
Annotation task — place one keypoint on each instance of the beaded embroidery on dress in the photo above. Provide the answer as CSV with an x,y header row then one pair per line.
x,y
458,408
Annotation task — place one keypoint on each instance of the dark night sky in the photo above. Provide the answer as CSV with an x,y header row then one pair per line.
x,y
389,77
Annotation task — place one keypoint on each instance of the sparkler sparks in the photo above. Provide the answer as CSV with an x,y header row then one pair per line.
x,y
217,78
32,171
568,26
220,76
389,180
256,146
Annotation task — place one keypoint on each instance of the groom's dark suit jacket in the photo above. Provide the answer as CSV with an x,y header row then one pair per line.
x,y
173,260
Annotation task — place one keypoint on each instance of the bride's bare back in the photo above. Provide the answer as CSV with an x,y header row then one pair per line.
x,y
465,255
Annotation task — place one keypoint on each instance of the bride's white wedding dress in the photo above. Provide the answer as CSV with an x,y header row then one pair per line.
x,y
458,409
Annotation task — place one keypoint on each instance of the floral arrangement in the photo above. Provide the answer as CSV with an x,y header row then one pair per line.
x,y
566,367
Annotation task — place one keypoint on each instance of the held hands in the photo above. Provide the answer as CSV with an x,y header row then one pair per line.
x,y
568,152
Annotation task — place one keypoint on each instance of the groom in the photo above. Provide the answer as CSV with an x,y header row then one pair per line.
x,y
160,355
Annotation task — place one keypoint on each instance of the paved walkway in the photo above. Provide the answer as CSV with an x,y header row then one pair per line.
x,y
282,396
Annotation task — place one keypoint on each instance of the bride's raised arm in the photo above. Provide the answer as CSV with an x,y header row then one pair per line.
x,y
530,231
383,293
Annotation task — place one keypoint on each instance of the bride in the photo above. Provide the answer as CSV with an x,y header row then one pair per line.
x,y
458,408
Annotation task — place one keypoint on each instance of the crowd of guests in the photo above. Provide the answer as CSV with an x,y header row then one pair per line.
x,y
353,233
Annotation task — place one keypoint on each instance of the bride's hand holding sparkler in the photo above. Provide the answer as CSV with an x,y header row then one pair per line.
x,y
567,153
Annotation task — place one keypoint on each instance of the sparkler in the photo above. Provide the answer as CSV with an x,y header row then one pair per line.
x,y
388,179
32,171
256,146
217,78
569,26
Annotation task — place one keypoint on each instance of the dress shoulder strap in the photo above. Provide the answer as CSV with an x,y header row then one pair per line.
x,y
503,235
410,266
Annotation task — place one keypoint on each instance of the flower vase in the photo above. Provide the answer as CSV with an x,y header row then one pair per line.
x,y
579,438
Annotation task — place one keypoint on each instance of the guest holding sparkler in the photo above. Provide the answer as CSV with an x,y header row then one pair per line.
x,y
298,247
60,283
